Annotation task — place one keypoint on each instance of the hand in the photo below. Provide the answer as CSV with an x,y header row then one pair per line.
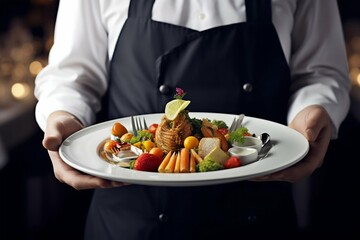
x,y
315,124
60,125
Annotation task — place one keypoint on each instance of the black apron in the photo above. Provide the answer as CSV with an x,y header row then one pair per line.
x,y
237,68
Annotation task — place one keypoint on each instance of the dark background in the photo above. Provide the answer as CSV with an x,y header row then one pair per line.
x,y
37,206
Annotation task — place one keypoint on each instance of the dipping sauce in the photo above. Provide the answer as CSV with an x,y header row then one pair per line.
x,y
249,141
245,154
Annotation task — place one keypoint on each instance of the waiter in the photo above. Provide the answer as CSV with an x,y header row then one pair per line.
x,y
131,55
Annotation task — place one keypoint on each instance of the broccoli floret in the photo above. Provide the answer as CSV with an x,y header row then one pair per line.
x,y
208,165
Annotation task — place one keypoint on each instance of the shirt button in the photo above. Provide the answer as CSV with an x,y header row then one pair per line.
x,y
247,87
201,16
163,217
164,89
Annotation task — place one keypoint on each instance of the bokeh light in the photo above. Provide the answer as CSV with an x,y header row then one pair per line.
x,y
35,67
20,90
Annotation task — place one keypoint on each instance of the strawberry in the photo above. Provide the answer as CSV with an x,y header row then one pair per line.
x,y
147,162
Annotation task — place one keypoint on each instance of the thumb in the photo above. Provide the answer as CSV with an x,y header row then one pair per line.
x,y
52,141
314,122
310,122
311,133
59,126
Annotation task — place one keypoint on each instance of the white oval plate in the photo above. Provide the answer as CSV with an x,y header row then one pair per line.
x,y
80,151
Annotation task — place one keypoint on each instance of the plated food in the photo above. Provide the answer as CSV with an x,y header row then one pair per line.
x,y
83,151
179,143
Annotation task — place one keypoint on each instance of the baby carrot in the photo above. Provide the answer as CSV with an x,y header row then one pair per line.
x,y
184,163
192,163
177,164
198,159
171,165
165,162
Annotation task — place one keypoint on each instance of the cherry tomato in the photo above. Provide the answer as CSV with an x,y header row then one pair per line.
x,y
118,129
191,142
232,162
157,151
152,128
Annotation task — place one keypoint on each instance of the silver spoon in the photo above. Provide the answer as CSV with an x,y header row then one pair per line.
x,y
266,146
265,138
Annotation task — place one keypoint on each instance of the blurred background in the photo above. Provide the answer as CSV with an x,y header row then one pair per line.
x,y
34,203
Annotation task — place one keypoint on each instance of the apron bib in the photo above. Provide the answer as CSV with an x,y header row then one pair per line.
x,y
236,68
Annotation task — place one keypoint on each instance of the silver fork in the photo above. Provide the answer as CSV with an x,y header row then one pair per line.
x,y
137,125
236,123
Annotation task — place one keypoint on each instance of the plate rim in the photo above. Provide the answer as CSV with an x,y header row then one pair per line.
x,y
173,181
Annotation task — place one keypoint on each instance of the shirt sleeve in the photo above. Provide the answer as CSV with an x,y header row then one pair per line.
x,y
75,78
318,61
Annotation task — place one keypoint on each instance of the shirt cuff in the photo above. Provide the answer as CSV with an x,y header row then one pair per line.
x,y
336,104
80,110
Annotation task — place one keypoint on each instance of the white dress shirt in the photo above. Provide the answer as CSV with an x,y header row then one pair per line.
x,y
86,33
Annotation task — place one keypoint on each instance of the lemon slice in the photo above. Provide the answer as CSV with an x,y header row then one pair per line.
x,y
174,107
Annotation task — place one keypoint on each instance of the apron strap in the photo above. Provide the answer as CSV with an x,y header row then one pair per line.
x,y
258,10
141,8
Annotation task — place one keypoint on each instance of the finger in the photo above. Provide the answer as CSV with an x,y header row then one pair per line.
x,y
119,184
291,174
76,179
